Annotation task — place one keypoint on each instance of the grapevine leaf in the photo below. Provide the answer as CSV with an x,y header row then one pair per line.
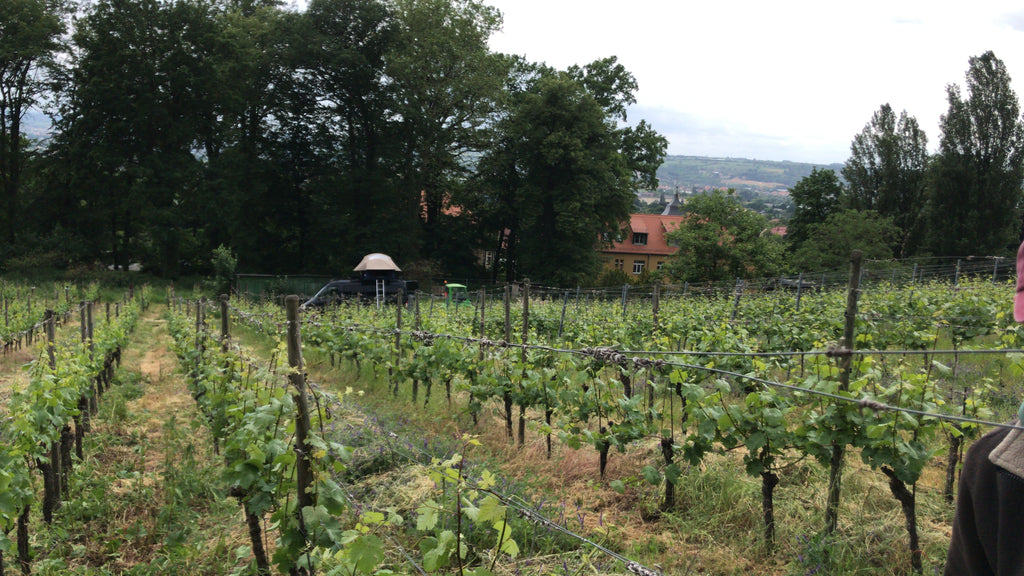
x,y
427,516
651,474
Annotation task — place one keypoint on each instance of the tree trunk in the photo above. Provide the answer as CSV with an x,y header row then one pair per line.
x,y
256,538
67,443
24,550
835,476
547,420
604,446
952,460
769,480
670,488
522,425
507,398
907,500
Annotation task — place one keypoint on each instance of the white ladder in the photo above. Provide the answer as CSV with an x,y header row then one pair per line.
x,y
380,292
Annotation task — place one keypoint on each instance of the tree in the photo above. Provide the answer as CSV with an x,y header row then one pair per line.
x,y
722,240
126,152
447,86
975,184
352,122
886,172
830,243
815,197
30,33
560,174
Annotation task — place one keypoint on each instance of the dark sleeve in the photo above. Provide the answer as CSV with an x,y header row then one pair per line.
x,y
987,516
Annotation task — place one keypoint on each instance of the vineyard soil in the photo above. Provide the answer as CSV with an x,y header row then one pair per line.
x,y
146,499
149,497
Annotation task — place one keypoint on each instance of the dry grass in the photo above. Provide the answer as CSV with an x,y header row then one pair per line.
x,y
716,526
148,476
13,375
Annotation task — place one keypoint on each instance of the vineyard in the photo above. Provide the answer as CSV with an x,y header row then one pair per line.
x,y
540,431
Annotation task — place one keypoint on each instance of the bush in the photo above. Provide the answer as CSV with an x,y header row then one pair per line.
x,y
224,263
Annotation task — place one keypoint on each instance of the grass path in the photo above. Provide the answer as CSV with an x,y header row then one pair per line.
x,y
147,497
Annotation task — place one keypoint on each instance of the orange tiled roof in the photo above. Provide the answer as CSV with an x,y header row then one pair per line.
x,y
656,226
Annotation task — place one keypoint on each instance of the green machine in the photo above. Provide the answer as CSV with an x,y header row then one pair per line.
x,y
456,294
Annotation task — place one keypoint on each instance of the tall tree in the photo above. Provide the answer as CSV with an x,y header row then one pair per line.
x,y
247,134
127,144
830,243
30,33
886,172
975,185
815,197
351,123
722,240
447,86
561,174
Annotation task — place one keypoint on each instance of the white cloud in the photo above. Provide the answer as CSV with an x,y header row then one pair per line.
x,y
773,80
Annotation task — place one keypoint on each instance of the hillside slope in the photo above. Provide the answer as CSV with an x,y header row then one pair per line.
x,y
686,173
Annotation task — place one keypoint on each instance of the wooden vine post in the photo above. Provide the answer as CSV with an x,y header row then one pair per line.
x,y
506,395
522,356
296,375
225,334
393,372
415,304
62,457
846,364
736,301
93,392
655,303
50,466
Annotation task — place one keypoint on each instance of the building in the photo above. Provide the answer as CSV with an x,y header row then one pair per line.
x,y
644,245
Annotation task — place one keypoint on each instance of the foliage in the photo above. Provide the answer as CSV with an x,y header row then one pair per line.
x,y
31,32
815,198
886,173
560,173
599,399
974,197
829,243
721,240
223,263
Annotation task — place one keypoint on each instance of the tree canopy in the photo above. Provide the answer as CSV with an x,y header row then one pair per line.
x,y
301,140
722,240
815,198
886,172
560,173
30,33
975,189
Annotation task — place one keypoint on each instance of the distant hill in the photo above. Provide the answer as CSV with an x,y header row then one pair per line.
x,y
689,173
35,125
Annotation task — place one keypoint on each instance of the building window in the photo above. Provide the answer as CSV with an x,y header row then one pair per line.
x,y
661,264
640,238
638,266
618,263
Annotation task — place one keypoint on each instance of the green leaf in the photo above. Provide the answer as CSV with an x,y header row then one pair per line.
x,y
490,510
672,473
427,516
651,474
618,486
367,552
755,441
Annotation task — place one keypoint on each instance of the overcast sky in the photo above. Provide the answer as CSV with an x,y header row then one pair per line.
x,y
783,80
